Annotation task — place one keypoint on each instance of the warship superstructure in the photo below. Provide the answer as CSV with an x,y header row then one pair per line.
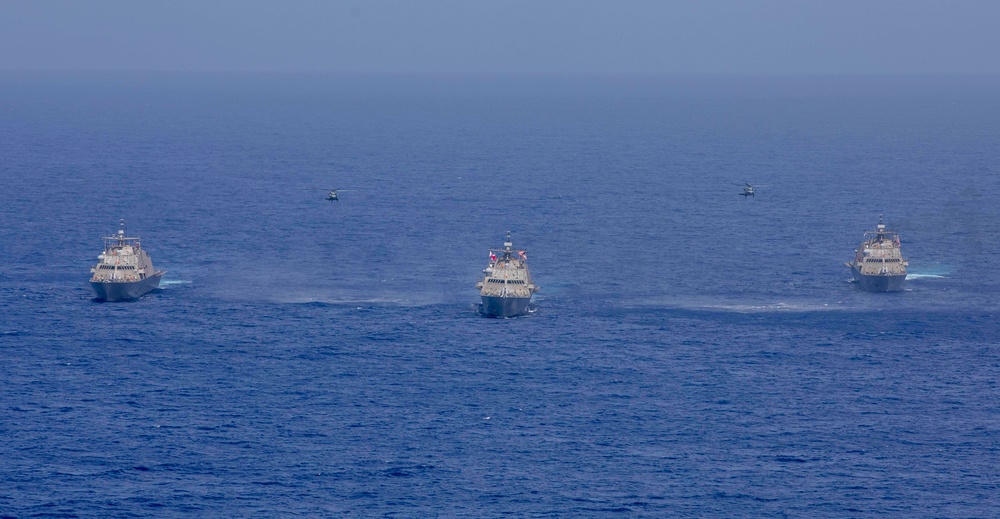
x,y
506,286
878,264
124,270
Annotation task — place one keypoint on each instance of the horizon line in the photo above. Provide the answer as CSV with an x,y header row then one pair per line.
x,y
507,75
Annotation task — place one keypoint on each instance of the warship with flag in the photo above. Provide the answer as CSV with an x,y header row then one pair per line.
x,y
124,270
878,264
506,286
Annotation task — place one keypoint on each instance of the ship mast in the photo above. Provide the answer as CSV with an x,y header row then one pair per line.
x,y
881,227
121,232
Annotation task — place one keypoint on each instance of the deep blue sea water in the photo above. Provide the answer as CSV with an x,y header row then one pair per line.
x,y
693,353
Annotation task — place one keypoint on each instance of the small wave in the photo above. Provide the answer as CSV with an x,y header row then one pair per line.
x,y
744,307
336,301
766,307
351,301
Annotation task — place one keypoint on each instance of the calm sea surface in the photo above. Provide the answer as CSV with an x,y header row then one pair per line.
x,y
693,353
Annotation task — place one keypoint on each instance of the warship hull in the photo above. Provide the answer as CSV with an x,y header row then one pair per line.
x,y
125,291
878,283
504,306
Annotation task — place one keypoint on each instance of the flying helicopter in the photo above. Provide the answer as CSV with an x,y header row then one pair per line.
x,y
748,189
332,196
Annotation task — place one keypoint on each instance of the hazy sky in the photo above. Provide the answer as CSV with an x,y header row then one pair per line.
x,y
621,37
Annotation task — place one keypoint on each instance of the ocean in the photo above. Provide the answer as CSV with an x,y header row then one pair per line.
x,y
692,353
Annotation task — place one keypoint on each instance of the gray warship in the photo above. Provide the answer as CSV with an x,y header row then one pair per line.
x,y
506,286
878,264
124,270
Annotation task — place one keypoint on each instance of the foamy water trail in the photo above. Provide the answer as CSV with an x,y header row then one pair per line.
x,y
924,276
166,283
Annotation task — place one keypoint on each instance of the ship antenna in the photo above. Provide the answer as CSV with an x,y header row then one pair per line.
x,y
121,231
